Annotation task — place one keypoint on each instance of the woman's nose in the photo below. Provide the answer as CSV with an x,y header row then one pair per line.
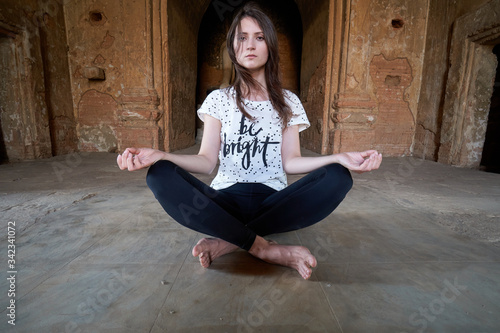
x,y
251,44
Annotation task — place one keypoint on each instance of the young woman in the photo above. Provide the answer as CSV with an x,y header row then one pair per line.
x,y
252,128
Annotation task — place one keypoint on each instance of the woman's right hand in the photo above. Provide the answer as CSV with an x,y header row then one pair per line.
x,y
138,158
360,162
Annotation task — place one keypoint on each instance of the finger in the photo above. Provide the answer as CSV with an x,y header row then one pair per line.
x,y
123,161
377,159
368,153
373,162
130,162
369,163
119,161
363,167
133,150
125,156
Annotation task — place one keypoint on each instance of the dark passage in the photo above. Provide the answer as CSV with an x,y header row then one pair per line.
x,y
490,160
5,63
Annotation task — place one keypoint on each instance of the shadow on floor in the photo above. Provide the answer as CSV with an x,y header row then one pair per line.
x,y
413,248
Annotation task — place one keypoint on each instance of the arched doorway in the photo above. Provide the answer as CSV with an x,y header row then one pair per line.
x,y
469,87
490,160
213,71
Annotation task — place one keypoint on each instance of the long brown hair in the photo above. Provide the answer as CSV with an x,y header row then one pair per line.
x,y
272,72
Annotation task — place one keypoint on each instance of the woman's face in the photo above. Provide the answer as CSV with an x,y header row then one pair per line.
x,y
250,45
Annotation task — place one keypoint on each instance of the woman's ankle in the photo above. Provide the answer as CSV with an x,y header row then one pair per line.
x,y
259,245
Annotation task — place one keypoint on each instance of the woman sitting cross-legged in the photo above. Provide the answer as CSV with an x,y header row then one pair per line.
x,y
252,129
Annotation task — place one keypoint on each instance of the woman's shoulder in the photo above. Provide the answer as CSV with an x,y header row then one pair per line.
x,y
224,93
291,96
218,95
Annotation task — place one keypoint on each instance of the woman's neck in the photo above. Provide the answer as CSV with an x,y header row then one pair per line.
x,y
260,77
255,94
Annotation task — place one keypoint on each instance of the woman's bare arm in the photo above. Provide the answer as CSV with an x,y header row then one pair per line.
x,y
204,162
294,162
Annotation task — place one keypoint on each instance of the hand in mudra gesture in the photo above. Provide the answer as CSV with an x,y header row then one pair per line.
x,y
361,161
138,158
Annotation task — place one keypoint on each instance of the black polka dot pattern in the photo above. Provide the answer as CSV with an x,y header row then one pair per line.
x,y
250,150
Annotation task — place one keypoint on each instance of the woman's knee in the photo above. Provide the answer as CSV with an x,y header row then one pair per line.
x,y
340,175
158,172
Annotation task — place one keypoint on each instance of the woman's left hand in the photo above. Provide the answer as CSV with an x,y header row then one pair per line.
x,y
360,161
138,158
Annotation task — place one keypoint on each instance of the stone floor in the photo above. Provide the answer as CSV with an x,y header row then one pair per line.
x,y
413,248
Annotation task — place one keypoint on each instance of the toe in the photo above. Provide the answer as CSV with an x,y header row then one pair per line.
x,y
204,260
307,273
195,251
312,262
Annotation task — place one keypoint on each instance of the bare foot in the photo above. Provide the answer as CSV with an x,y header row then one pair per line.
x,y
209,249
297,257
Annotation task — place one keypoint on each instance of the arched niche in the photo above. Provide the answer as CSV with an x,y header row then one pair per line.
x,y
213,68
469,86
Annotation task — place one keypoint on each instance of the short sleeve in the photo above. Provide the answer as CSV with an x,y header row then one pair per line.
x,y
299,116
210,106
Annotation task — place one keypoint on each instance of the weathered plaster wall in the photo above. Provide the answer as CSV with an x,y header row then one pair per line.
x,y
103,75
111,74
376,105
433,80
56,76
469,85
442,15
313,69
184,19
36,116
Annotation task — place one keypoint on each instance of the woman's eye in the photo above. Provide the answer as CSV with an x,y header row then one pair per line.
x,y
260,38
242,39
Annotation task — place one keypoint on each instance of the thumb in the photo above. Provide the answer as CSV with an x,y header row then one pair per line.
x,y
367,153
133,150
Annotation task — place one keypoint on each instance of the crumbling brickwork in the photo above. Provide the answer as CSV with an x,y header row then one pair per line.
x,y
101,76
36,116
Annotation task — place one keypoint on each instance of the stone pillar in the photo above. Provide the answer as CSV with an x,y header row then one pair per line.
x,y
138,119
227,67
469,86
97,122
24,118
353,116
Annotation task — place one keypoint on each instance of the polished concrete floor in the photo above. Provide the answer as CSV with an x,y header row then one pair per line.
x,y
415,247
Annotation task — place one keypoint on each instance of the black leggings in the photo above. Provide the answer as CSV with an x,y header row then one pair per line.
x,y
241,212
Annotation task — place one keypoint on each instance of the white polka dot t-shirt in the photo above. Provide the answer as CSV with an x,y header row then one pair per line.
x,y
250,151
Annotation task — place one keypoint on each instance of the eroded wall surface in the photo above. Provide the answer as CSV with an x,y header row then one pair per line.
x,y
469,85
313,69
375,106
184,19
104,75
442,15
36,112
110,59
